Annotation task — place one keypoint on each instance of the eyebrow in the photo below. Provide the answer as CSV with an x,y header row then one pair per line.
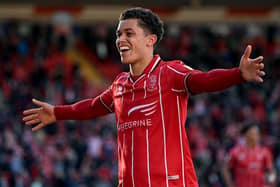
x,y
128,29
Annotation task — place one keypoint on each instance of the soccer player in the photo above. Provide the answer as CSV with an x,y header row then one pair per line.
x,y
150,104
251,163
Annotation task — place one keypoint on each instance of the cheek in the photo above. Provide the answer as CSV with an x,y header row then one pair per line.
x,y
116,43
258,137
140,46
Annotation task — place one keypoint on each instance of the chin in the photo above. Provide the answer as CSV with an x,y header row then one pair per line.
x,y
124,61
127,61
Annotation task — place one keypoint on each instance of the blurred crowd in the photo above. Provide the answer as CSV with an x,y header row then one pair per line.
x,y
34,64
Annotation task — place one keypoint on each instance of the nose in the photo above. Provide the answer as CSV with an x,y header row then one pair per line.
x,y
119,40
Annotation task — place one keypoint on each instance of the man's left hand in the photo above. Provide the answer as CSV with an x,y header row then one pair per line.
x,y
251,69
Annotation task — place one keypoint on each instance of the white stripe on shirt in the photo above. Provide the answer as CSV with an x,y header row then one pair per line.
x,y
181,141
163,129
132,142
123,156
176,71
145,89
148,160
157,61
132,92
107,107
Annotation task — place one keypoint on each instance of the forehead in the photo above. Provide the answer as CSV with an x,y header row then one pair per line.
x,y
254,129
128,24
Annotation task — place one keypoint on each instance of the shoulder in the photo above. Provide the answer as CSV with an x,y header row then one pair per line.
x,y
176,66
121,77
232,154
265,150
236,150
174,63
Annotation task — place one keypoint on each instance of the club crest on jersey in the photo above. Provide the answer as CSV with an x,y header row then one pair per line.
x,y
152,83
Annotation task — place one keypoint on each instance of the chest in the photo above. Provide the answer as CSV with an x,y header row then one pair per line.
x,y
251,160
138,98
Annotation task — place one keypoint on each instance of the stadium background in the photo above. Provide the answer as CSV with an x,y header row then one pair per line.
x,y
61,53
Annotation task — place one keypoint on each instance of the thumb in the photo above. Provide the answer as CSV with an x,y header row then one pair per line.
x,y
37,102
247,52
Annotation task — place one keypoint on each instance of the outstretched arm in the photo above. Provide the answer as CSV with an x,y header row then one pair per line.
x,y
82,110
46,114
42,116
220,79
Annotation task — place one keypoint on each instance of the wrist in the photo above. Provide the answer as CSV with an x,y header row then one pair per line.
x,y
241,73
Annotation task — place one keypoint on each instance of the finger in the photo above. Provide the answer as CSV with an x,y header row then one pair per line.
x,y
261,66
259,79
37,102
261,73
247,52
257,60
258,67
30,117
37,127
31,111
32,122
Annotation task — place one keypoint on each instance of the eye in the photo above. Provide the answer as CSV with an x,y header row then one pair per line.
x,y
129,34
118,34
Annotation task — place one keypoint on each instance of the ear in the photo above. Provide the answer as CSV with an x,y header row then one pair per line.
x,y
151,40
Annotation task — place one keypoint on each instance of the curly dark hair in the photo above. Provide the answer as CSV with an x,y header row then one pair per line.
x,y
149,21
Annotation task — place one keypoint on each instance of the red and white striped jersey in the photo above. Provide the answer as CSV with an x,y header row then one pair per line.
x,y
150,112
249,165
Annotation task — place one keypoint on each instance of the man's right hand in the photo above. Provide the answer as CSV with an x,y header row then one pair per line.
x,y
42,116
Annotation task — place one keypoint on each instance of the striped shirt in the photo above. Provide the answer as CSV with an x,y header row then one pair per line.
x,y
151,111
249,165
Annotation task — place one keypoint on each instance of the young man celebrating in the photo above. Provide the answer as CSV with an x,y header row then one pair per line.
x,y
150,104
251,163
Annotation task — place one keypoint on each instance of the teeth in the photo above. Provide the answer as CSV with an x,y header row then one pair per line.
x,y
124,48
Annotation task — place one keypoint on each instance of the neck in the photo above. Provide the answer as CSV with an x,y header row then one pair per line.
x,y
251,144
137,68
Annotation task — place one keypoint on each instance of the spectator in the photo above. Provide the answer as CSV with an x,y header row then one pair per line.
x,y
251,162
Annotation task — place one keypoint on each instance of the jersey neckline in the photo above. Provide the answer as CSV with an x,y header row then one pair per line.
x,y
151,66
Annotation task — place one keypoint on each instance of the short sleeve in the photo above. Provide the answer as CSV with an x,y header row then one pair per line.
x,y
177,74
106,99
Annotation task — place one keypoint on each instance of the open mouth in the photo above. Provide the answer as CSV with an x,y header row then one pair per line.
x,y
124,49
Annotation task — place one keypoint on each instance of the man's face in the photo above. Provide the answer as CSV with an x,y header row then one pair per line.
x,y
131,41
253,135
